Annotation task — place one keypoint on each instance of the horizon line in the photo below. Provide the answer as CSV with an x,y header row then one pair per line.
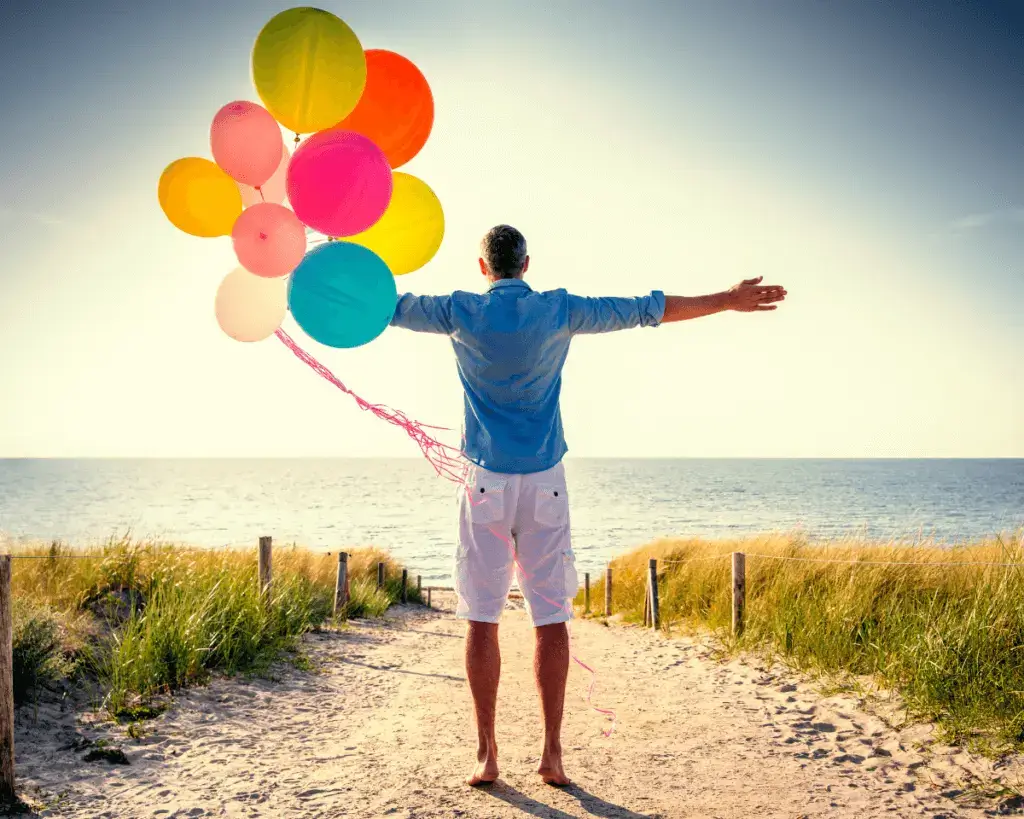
x,y
567,458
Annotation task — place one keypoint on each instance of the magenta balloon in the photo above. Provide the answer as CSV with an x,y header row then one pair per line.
x,y
269,240
273,190
246,142
339,183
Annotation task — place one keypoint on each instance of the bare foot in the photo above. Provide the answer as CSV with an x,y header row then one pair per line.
x,y
486,770
550,769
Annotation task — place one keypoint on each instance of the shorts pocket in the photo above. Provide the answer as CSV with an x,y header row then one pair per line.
x,y
552,506
460,573
572,577
460,567
486,500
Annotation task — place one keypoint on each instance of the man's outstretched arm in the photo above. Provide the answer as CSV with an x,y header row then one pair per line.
x,y
604,315
749,296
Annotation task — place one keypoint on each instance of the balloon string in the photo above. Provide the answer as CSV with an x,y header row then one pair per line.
x,y
449,463
260,189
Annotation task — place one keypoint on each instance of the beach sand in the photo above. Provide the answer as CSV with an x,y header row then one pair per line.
x,y
382,728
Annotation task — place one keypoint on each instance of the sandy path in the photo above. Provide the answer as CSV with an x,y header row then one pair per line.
x,y
383,730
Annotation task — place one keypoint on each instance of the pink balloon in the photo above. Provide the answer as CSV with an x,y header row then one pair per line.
x,y
246,142
339,183
273,190
269,240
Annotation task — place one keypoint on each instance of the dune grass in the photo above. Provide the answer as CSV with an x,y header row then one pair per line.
x,y
949,639
145,619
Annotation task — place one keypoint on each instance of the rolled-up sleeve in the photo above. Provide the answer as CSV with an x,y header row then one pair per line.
x,y
424,314
605,314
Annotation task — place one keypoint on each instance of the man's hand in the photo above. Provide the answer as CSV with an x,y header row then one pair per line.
x,y
750,296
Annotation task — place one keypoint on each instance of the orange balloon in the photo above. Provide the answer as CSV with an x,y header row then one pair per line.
x,y
396,110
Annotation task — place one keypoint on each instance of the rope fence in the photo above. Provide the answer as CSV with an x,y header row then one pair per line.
x,y
651,603
55,557
693,560
885,562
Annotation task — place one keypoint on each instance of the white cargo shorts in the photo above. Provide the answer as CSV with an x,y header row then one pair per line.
x,y
515,524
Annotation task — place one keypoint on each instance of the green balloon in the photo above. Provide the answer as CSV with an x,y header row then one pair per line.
x,y
309,69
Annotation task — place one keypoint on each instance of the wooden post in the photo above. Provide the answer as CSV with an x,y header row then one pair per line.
x,y
341,584
380,575
264,564
405,585
7,795
428,597
586,593
419,587
608,591
647,602
655,614
739,591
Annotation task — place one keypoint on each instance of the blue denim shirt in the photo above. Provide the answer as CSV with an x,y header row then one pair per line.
x,y
510,344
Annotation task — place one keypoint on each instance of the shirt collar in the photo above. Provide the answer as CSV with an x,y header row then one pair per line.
x,y
508,283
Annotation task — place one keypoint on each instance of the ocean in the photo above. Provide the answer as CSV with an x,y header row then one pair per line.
x,y
403,506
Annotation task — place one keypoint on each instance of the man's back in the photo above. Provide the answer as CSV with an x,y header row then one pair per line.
x,y
510,345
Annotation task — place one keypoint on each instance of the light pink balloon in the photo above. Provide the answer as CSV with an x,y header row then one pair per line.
x,y
269,240
246,142
273,190
339,183
250,308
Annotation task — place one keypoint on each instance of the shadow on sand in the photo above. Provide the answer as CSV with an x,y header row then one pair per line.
x,y
399,670
594,805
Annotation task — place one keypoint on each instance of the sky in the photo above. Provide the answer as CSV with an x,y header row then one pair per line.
x,y
867,156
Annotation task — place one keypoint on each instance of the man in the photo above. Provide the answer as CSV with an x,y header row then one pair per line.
x,y
510,344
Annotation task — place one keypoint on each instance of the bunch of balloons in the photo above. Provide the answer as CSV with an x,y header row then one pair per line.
x,y
365,113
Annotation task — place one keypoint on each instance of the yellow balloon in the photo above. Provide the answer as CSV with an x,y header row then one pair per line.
x,y
199,198
409,233
309,69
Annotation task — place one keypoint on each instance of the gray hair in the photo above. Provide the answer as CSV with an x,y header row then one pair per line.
x,y
504,251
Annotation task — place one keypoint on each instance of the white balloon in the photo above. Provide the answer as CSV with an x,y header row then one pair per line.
x,y
274,189
251,307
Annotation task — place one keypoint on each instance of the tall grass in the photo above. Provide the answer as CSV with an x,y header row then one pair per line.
x,y
43,653
949,639
149,618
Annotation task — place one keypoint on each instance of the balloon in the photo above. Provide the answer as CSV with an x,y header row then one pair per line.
x,y
248,307
246,141
309,69
339,183
396,110
342,294
269,240
409,233
199,198
273,190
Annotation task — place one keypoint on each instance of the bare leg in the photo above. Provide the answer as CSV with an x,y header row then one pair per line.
x,y
483,668
551,665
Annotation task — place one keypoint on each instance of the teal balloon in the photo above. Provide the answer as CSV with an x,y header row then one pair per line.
x,y
342,294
